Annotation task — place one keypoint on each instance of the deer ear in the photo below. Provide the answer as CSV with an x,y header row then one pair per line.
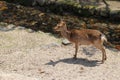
x,y
64,23
68,32
62,20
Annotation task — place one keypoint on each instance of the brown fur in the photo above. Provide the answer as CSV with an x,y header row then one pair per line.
x,y
83,37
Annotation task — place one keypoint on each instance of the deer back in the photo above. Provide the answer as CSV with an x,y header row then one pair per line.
x,y
85,36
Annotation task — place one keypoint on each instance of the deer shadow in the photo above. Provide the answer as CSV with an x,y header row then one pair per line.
x,y
81,61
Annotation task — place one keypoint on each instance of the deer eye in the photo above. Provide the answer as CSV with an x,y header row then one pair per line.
x,y
58,26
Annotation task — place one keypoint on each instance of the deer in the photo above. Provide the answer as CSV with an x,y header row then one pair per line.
x,y
83,37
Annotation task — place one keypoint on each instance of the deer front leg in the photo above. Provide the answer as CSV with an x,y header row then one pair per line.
x,y
104,55
76,50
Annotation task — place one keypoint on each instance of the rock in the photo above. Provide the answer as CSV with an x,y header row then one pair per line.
x,y
20,28
65,42
10,26
29,30
3,24
6,27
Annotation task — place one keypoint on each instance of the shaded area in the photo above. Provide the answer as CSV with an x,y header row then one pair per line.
x,y
45,17
81,61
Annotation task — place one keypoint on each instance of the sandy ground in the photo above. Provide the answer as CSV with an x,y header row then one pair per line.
x,y
113,5
40,56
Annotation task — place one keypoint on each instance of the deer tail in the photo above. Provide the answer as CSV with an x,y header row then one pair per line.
x,y
103,38
107,43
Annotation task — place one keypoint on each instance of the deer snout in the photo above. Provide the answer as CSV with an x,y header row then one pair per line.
x,y
56,28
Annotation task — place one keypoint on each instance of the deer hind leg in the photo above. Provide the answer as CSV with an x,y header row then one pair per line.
x,y
103,51
104,57
101,47
76,50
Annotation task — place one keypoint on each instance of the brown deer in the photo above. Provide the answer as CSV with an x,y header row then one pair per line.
x,y
83,37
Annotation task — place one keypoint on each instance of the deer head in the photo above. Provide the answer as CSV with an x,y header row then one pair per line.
x,y
60,26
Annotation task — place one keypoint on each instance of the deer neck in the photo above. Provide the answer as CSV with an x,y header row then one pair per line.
x,y
65,33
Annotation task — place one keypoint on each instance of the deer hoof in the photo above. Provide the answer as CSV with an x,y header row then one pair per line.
x,y
102,61
75,57
105,58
